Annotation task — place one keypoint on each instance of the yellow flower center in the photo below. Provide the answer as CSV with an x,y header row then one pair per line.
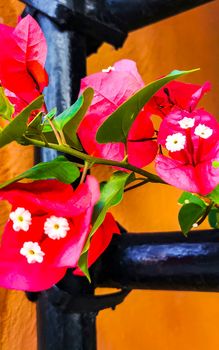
x,y
31,252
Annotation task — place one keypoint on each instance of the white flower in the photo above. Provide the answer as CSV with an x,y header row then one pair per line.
x,y
203,131
175,142
187,123
195,225
21,219
109,69
33,252
56,227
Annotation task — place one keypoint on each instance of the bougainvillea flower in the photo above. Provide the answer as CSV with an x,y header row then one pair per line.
x,y
22,60
192,140
100,240
176,94
46,231
112,87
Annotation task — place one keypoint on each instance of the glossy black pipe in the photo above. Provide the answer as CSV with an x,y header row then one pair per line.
x,y
165,261
131,15
59,330
109,20
66,65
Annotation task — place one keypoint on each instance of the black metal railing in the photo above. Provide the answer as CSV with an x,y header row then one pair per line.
x,y
67,312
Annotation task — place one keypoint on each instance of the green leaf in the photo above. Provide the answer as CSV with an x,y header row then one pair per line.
x,y
215,164
111,194
17,127
117,126
71,127
51,114
34,128
6,108
59,168
188,197
213,218
69,121
188,215
214,195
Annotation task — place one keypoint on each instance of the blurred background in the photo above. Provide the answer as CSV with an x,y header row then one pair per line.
x,y
147,319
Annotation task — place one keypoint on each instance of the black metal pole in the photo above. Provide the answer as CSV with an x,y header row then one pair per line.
x,y
131,15
156,261
66,65
58,330
109,20
161,261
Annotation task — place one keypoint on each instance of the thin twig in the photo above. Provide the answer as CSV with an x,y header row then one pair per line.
x,y
137,185
84,173
207,211
55,132
73,152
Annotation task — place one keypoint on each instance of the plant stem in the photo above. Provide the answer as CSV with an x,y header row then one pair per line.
x,y
58,138
84,173
62,136
136,185
73,152
207,211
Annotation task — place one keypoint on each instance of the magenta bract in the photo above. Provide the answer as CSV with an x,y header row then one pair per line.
x,y
183,96
44,200
112,87
192,140
22,61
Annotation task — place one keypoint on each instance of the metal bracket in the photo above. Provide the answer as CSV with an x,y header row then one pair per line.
x,y
109,20
84,303
85,17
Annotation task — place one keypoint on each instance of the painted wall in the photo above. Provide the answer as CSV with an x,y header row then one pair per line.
x,y
147,320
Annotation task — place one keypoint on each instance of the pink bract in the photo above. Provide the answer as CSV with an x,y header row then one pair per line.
x,y
190,168
22,61
112,88
100,240
183,96
44,199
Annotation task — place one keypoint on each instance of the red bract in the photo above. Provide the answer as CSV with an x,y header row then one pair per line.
x,y
100,240
48,227
22,60
176,94
112,87
192,140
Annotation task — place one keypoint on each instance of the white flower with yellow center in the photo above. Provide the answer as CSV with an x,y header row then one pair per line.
x,y
175,142
21,219
33,252
187,123
203,131
56,227
109,69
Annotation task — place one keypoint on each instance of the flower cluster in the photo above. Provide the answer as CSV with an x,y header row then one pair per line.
x,y
112,87
53,227
190,135
46,237
192,139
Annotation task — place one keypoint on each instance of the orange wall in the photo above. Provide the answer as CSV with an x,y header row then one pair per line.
x,y
147,320
17,316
